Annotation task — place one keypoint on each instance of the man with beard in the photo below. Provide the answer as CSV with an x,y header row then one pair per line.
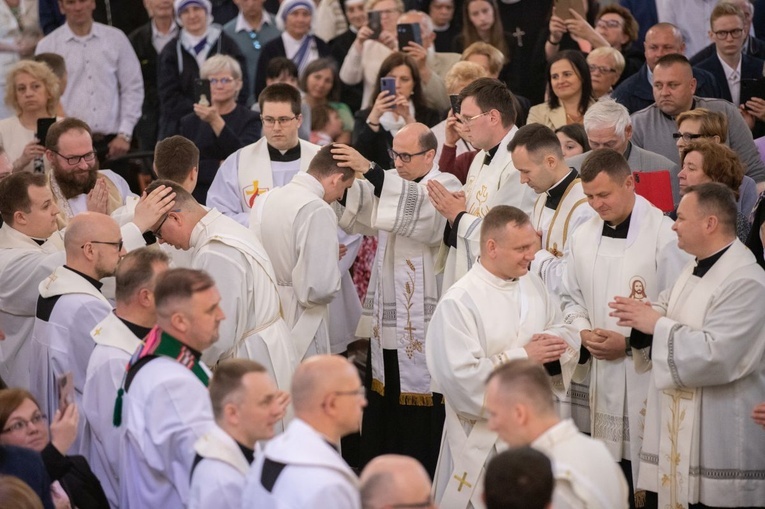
x,y
70,306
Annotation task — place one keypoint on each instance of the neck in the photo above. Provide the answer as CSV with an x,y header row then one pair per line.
x,y
543,424
498,136
237,434
712,245
322,426
181,336
314,101
253,20
571,105
560,172
195,216
225,107
84,267
29,118
163,23
81,29
295,35
136,314
731,60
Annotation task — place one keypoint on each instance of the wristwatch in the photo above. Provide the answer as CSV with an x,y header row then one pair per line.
x,y
373,124
128,138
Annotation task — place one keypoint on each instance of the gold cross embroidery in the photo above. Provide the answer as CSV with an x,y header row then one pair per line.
x,y
254,188
97,332
463,481
51,279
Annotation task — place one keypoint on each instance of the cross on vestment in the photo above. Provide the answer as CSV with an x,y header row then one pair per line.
x,y
97,332
463,481
51,279
518,34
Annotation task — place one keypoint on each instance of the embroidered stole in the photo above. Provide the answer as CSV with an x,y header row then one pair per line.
x,y
556,235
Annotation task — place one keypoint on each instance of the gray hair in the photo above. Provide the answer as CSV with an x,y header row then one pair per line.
x,y
608,51
220,63
606,114
424,20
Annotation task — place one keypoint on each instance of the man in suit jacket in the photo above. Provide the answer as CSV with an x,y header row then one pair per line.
x,y
751,45
728,64
636,92
608,125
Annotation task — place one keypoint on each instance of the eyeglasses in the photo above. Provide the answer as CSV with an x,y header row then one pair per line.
x,y
404,156
388,12
361,391
721,35
467,120
687,137
88,158
254,38
222,81
601,69
156,231
271,121
609,23
118,244
23,423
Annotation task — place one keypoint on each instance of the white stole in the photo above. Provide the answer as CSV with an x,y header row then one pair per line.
x,y
216,444
554,238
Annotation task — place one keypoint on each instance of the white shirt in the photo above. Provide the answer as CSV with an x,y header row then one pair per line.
x,y
242,24
160,40
734,79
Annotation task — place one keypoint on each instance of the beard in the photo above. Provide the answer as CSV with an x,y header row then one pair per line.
x,y
75,182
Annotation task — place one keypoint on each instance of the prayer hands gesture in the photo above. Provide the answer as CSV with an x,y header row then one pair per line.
x,y
150,208
634,313
545,348
349,157
98,197
758,414
63,428
447,203
604,344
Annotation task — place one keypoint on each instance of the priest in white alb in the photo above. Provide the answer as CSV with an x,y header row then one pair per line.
x,y
488,122
497,312
706,340
403,291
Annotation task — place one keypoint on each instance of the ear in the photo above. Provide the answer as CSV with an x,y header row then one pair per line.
x,y
693,85
628,132
231,413
551,161
19,218
712,223
50,155
145,297
299,119
711,36
491,248
630,182
178,321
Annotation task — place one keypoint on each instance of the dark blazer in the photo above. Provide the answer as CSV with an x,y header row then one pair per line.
x,y
175,82
374,145
751,68
755,48
76,477
636,93
273,49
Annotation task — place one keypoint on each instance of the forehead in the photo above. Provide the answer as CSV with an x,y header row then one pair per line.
x,y
561,66
478,5
602,182
407,141
602,134
661,37
257,384
521,157
302,11
384,5
206,298
691,125
688,205
39,194
74,139
274,109
519,235
694,157
611,16
674,72
600,59
727,21
400,71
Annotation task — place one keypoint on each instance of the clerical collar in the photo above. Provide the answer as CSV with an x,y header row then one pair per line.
x,y
333,446
619,231
556,192
703,266
139,330
276,155
39,242
249,454
490,155
95,282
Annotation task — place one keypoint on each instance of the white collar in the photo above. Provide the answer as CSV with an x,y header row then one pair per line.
x,y
243,25
728,70
156,34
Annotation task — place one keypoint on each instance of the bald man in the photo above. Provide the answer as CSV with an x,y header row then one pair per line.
x,y
392,480
303,467
70,306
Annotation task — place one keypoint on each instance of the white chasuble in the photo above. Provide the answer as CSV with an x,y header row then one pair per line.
x,y
707,374
497,183
598,269
23,265
481,322
218,479
403,288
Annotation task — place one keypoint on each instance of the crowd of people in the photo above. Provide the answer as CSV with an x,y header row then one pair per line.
x,y
391,253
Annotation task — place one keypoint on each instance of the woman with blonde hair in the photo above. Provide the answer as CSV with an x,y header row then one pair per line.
x,y
15,494
32,91
606,67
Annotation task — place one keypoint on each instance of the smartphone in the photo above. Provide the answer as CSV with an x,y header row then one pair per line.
x,y
43,124
65,391
562,8
202,92
375,23
456,103
388,84
408,32
752,88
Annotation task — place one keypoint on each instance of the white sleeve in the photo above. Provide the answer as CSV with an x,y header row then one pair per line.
x,y
314,280
352,70
223,194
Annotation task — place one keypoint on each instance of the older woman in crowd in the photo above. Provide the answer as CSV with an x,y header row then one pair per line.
x,y
19,33
24,425
569,91
606,67
33,93
222,127
321,87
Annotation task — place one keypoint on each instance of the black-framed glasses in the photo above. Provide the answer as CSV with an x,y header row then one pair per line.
x,y
271,121
687,137
118,244
602,69
721,35
22,424
361,391
254,39
157,233
88,158
404,156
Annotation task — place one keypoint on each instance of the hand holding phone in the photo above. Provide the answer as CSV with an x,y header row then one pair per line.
x,y
456,104
408,32
375,23
65,391
388,84
202,93
43,124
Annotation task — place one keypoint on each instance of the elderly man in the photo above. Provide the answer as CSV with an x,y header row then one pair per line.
x,y
608,125
246,405
636,92
302,467
495,313
395,481
674,92
706,343
408,240
520,406
70,306
117,337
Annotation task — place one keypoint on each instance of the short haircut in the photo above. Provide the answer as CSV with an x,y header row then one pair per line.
x,y
182,197
519,478
605,114
712,123
495,56
281,93
500,216
175,286
428,141
38,71
323,165
55,61
577,133
674,58
715,199
608,51
661,26
721,163
17,494
582,70
538,140
175,157
528,380
219,64
10,400
463,72
136,271
321,64
14,193
726,9
64,126
281,65
227,381
605,160
630,26
490,94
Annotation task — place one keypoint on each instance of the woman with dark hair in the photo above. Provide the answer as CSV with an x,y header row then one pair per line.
x,y
376,126
321,86
573,140
22,424
569,91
